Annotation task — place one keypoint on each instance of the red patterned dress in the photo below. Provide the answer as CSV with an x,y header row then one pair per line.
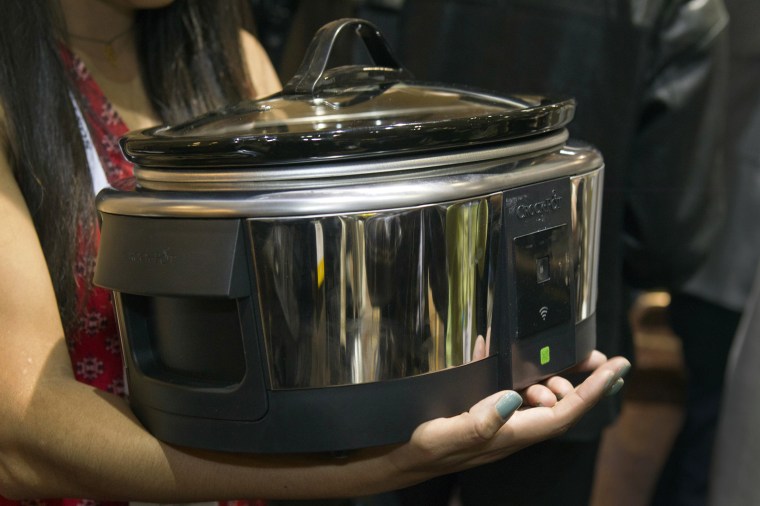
x,y
94,346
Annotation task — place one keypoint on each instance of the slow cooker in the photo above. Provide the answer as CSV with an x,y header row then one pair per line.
x,y
326,268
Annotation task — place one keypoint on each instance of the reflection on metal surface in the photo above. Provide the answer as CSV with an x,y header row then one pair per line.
x,y
366,297
586,212
355,194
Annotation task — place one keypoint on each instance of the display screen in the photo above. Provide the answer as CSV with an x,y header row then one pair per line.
x,y
542,270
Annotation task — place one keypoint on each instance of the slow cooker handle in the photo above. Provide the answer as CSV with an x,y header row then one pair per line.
x,y
311,76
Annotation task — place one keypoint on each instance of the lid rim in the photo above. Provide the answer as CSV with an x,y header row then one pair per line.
x,y
280,177
148,148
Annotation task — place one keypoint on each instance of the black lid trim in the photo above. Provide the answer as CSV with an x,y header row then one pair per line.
x,y
152,148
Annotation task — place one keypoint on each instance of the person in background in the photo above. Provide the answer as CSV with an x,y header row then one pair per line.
x,y
74,76
649,81
735,466
706,312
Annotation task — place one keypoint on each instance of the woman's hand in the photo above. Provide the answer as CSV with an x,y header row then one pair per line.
x,y
494,428
550,391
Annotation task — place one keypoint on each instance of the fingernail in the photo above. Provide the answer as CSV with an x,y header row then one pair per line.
x,y
615,387
508,404
615,377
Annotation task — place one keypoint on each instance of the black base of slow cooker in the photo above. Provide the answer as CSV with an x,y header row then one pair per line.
x,y
343,418
335,418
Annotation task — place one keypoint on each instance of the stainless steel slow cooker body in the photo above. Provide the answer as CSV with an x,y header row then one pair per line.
x,y
280,298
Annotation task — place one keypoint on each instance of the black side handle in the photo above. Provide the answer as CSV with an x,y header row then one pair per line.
x,y
312,77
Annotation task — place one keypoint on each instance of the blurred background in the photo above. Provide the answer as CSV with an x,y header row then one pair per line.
x,y
654,88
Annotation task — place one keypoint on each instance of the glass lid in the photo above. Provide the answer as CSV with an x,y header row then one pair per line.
x,y
347,113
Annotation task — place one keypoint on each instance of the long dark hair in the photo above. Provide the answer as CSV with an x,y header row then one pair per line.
x,y
191,63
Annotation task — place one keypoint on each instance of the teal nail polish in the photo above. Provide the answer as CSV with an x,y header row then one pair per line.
x,y
615,387
610,381
508,404
615,378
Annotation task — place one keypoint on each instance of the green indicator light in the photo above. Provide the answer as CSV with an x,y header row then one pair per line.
x,y
545,355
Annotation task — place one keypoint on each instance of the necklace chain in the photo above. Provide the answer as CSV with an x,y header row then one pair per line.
x,y
108,48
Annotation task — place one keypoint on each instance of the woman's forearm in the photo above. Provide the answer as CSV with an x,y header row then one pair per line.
x,y
75,441
80,442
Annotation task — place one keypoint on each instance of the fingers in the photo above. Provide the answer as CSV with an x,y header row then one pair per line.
x,y
559,386
494,427
444,436
479,350
488,415
538,424
539,396
495,421
593,361
547,394
507,405
568,403
606,379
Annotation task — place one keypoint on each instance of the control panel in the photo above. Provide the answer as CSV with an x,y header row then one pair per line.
x,y
540,326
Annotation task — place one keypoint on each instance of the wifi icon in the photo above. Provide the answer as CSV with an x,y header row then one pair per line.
x,y
544,311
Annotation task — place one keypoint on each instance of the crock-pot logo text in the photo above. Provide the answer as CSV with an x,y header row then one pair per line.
x,y
545,206
151,257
